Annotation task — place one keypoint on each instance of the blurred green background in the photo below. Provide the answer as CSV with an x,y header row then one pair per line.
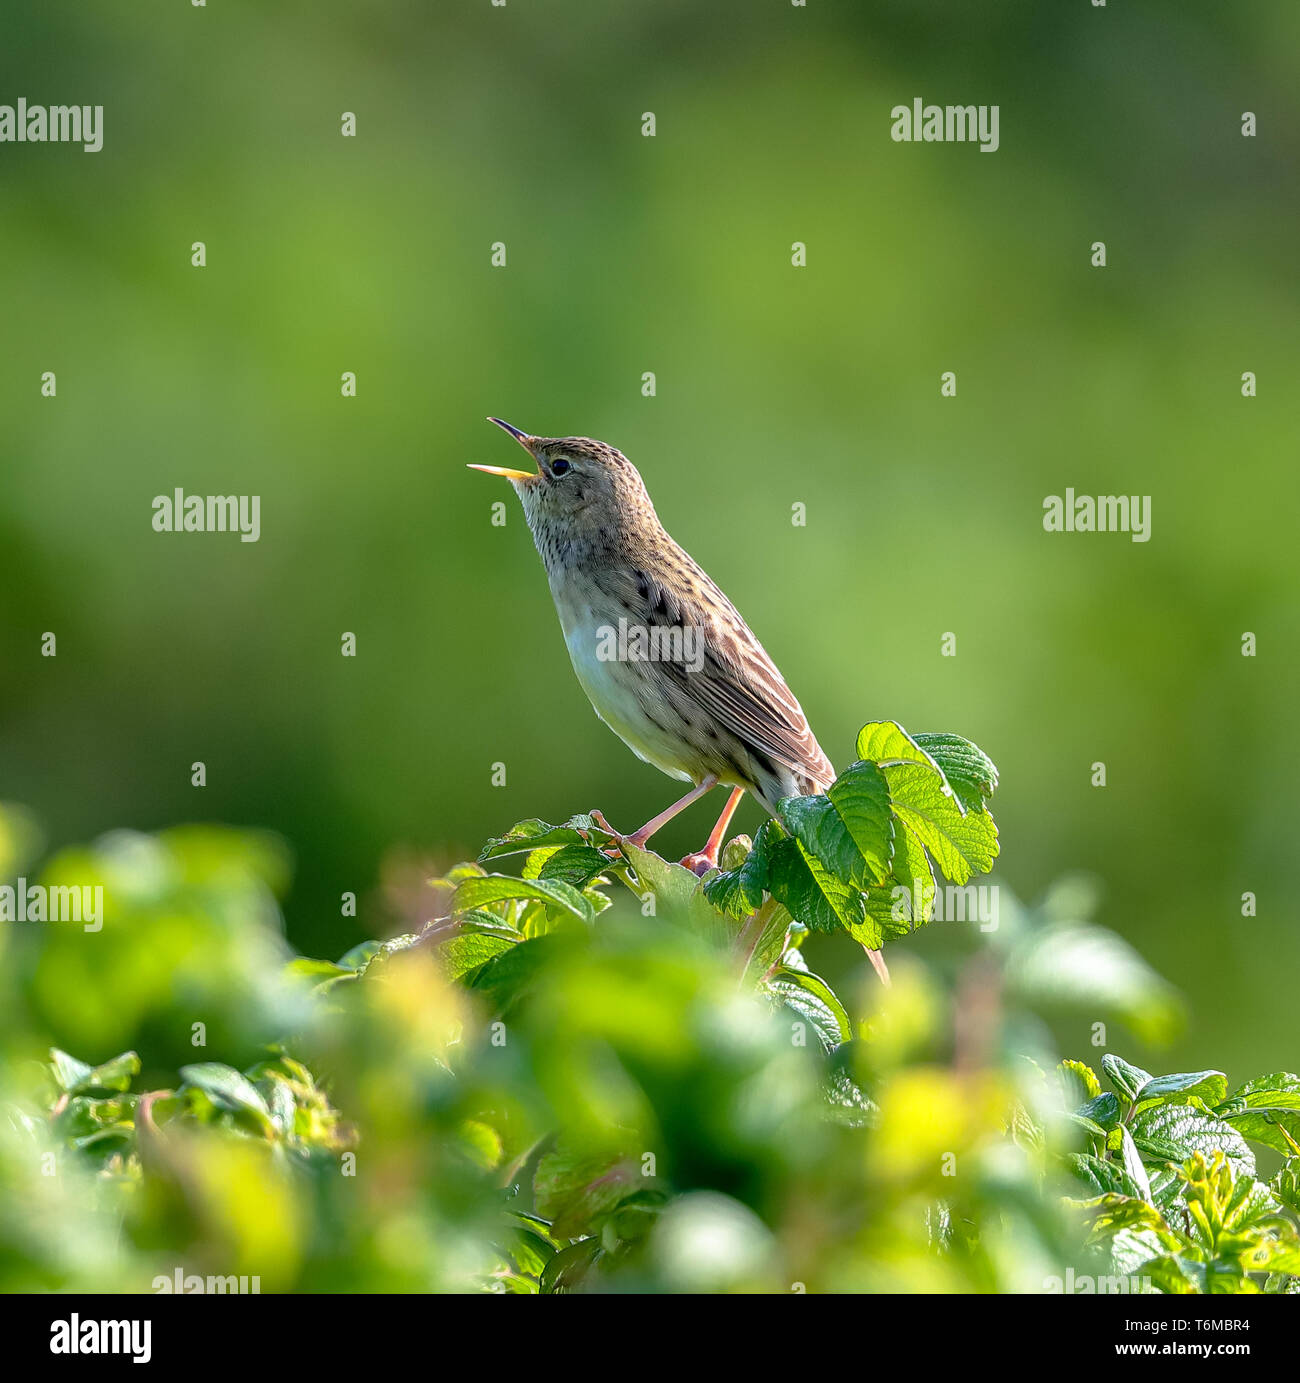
x,y
775,385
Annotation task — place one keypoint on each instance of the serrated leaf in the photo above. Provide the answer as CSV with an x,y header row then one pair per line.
x,y
739,892
1081,1075
1111,1212
849,829
911,869
1102,1109
810,893
970,772
1103,1176
529,835
885,915
1174,1132
1267,1110
1208,1086
860,796
885,741
1286,1185
960,842
1126,1078
497,888
473,947
575,864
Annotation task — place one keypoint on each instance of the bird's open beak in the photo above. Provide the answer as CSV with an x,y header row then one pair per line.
x,y
524,441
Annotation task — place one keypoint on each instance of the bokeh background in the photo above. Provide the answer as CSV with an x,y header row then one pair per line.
x,y
775,385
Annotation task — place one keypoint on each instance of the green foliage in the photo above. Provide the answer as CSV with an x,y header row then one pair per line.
x,y
603,1073
861,856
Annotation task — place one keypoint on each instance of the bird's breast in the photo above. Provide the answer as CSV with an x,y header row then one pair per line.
x,y
626,693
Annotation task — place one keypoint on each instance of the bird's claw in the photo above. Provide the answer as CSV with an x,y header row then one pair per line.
x,y
616,849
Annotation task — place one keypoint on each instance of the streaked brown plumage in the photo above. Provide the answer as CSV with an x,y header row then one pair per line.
x,y
724,715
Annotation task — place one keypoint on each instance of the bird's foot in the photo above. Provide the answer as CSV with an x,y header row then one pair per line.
x,y
637,838
699,863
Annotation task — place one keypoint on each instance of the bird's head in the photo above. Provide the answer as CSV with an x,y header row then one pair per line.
x,y
580,486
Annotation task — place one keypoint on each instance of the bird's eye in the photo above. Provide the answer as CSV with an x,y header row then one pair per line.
x,y
559,466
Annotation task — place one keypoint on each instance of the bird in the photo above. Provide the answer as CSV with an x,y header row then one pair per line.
x,y
664,657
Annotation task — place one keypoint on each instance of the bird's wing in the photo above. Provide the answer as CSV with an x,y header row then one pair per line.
x,y
738,684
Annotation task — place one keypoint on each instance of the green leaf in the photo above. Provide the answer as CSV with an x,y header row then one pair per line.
x,y
358,957
575,1187
1173,1132
529,1251
1078,1081
472,947
1103,1109
677,890
529,835
884,916
885,741
849,829
739,892
814,1000
115,1074
229,1089
762,940
960,842
576,865
911,870
566,1271
496,888
1111,1212
1133,1164
1208,1086
69,1073
1127,1079
508,977
1267,1110
970,772
860,796
1286,1185
1103,1176
75,1076
307,968
810,892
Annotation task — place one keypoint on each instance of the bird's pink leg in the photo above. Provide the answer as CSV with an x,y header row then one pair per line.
x,y
708,857
639,838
